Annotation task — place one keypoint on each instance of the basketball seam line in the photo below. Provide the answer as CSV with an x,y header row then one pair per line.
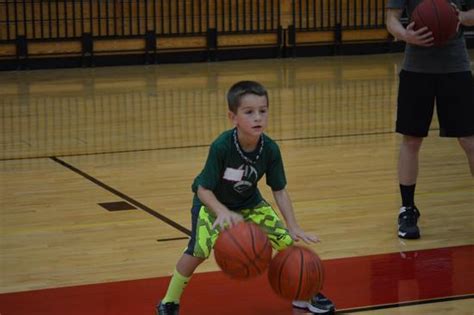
x,y
245,254
280,271
298,292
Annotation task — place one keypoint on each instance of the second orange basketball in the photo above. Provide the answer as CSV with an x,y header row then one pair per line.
x,y
243,251
296,273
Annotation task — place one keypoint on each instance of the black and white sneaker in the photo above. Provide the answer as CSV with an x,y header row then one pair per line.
x,y
319,304
169,308
407,223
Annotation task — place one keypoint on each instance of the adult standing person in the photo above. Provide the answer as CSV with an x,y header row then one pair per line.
x,y
430,74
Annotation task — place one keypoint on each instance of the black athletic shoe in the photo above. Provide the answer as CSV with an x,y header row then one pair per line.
x,y
169,308
319,304
407,220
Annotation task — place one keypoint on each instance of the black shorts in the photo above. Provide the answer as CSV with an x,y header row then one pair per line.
x,y
454,95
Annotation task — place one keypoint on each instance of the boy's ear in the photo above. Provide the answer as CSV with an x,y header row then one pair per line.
x,y
231,116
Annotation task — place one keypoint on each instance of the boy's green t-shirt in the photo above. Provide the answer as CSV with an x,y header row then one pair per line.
x,y
233,180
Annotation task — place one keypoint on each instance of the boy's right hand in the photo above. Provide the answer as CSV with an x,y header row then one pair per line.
x,y
227,218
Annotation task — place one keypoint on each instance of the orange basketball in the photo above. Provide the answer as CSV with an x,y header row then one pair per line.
x,y
296,273
439,16
243,251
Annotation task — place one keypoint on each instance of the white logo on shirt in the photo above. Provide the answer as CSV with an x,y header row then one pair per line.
x,y
250,176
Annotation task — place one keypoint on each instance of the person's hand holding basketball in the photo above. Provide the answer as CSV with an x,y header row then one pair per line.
x,y
227,218
441,19
297,234
420,37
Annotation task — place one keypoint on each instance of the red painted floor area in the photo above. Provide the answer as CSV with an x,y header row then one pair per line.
x,y
351,282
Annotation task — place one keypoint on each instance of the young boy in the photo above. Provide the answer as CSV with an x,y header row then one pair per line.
x,y
226,192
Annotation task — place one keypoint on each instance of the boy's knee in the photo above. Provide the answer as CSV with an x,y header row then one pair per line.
x,y
282,242
201,249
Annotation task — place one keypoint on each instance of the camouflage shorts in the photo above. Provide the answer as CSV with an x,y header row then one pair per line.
x,y
203,236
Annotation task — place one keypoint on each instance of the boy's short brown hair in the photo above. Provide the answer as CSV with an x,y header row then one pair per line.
x,y
239,89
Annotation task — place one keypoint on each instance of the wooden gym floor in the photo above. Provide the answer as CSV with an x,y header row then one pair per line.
x,y
96,167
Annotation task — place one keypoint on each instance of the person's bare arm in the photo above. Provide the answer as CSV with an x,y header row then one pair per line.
x,y
466,18
284,204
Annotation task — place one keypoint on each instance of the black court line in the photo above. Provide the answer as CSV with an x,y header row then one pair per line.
x,y
395,305
123,196
172,239
203,145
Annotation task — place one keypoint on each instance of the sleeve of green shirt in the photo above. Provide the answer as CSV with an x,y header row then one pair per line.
x,y
276,178
210,175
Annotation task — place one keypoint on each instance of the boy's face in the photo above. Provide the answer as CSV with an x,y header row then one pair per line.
x,y
252,115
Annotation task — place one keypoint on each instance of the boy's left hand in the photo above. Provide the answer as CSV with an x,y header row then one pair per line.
x,y
298,234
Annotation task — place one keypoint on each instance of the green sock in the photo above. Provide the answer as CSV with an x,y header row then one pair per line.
x,y
176,287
